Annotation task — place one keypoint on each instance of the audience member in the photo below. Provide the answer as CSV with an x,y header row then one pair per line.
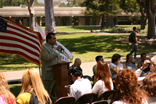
x,y
147,63
127,89
153,64
6,97
129,63
80,86
115,66
143,58
102,78
77,62
32,86
149,86
98,58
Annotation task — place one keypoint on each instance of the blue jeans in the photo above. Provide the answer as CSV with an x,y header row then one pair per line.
x,y
134,49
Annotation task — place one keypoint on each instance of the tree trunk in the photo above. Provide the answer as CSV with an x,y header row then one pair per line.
x,y
150,11
49,16
109,22
102,23
143,18
31,14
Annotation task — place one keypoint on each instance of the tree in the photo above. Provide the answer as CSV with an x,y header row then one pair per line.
x,y
147,9
76,3
49,16
129,6
59,3
102,8
30,4
150,12
31,14
132,6
143,17
13,2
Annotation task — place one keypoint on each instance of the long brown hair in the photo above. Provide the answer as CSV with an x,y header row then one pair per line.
x,y
31,81
127,87
103,73
4,90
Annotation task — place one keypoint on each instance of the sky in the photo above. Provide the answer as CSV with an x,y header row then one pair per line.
x,y
41,1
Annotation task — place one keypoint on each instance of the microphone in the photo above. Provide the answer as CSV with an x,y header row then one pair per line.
x,y
55,47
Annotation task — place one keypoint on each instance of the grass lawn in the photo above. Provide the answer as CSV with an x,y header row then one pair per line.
x,y
76,28
97,27
85,46
15,89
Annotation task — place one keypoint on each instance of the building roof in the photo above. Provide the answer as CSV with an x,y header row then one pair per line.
x,y
22,11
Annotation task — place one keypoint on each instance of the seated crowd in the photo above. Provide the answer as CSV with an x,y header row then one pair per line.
x,y
123,78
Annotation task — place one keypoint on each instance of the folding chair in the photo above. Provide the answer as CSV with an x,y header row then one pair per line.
x,y
86,98
65,100
100,102
107,95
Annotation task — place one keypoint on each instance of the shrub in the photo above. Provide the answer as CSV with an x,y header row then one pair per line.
x,y
116,29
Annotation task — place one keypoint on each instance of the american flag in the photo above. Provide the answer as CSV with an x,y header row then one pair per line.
x,y
15,39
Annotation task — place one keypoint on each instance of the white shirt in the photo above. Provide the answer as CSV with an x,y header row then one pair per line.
x,y
100,87
80,87
138,72
139,79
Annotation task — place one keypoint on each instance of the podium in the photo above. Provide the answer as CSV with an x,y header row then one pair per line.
x,y
62,78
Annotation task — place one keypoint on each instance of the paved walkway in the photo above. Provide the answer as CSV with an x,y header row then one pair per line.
x,y
87,68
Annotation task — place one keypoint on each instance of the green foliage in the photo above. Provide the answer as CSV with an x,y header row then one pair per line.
x,y
103,29
15,89
70,3
101,7
13,2
129,5
116,29
76,3
59,3
138,28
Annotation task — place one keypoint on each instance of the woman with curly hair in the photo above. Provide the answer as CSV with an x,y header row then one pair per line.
x,y
6,97
149,86
103,80
32,86
127,89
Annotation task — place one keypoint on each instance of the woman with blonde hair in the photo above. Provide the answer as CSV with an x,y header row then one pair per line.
x,y
127,89
103,80
32,84
6,97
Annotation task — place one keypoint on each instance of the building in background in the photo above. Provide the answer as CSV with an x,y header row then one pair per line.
x,y
63,16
